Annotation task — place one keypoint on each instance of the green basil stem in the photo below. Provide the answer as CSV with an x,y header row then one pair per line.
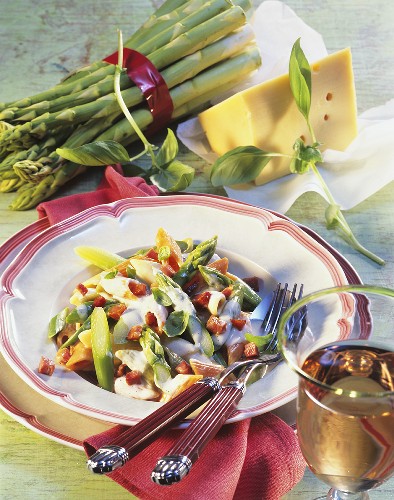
x,y
148,147
346,232
311,131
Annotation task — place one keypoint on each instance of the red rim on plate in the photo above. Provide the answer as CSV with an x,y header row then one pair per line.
x,y
334,260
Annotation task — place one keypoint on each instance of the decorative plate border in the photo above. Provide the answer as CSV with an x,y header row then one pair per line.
x,y
331,258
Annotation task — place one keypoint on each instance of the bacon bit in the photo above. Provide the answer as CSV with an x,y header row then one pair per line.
x,y
253,282
137,289
167,270
150,319
99,301
135,332
184,368
122,370
133,377
46,366
152,254
122,269
82,288
172,262
116,311
227,291
63,355
216,325
251,350
238,323
202,299
220,265
193,284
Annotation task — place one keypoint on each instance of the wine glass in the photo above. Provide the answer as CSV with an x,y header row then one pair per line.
x,y
340,341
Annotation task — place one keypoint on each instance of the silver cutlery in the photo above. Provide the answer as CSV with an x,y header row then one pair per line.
x,y
135,438
178,461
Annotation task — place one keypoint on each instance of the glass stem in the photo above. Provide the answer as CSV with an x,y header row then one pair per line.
x,y
335,494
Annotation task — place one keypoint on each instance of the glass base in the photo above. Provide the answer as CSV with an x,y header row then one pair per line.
x,y
334,494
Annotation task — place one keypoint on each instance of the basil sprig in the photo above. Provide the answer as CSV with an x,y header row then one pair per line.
x,y
244,164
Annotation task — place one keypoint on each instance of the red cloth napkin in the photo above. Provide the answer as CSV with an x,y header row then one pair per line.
x,y
254,459
113,187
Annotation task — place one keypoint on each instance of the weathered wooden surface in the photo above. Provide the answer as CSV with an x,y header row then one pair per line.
x,y
43,39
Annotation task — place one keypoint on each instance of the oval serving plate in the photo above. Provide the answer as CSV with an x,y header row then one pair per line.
x,y
39,280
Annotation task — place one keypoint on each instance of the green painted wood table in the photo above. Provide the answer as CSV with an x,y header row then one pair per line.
x,y
40,41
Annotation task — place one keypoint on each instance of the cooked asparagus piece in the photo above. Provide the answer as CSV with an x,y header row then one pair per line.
x,y
102,349
201,255
231,310
215,279
154,354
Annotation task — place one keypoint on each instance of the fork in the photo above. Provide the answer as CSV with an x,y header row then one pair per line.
x,y
134,439
178,461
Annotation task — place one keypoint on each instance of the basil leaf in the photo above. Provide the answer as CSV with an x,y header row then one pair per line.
x,y
259,340
95,153
111,275
168,151
311,154
176,323
131,272
133,170
300,79
241,164
176,177
161,297
57,323
185,245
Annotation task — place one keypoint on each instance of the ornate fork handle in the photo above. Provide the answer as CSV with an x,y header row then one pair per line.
x,y
174,466
134,439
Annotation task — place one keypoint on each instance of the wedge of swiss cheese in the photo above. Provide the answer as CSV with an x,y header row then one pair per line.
x,y
266,115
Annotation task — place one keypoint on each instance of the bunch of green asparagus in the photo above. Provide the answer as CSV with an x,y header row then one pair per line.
x,y
201,48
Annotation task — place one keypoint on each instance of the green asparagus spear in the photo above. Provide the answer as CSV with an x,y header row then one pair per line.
x,y
214,279
217,280
201,87
185,44
99,257
102,349
104,87
154,354
232,309
199,256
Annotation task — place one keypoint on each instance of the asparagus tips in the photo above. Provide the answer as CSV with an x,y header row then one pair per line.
x,y
200,256
201,48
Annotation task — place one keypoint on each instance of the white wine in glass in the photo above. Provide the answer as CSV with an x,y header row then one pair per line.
x,y
345,406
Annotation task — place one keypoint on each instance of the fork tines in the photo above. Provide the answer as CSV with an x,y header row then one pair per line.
x,y
281,300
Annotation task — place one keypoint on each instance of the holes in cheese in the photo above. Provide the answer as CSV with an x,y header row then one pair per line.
x,y
266,115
